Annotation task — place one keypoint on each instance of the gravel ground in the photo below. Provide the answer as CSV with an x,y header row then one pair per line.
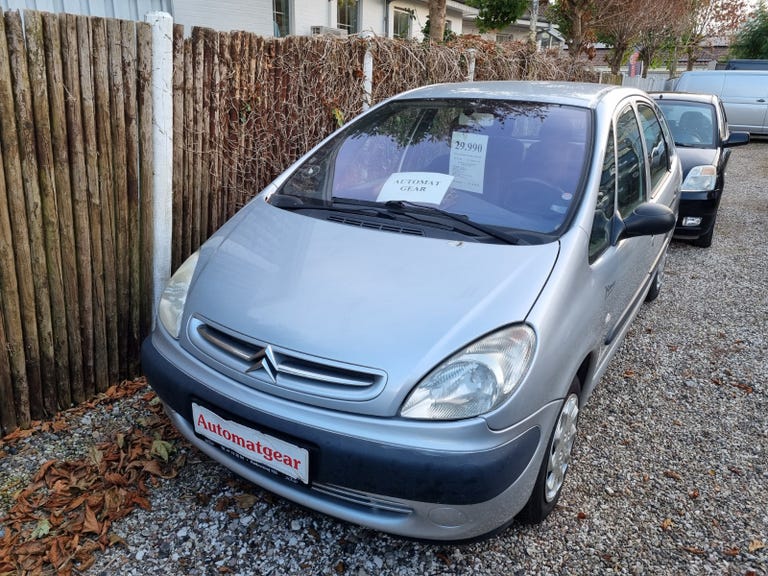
x,y
671,464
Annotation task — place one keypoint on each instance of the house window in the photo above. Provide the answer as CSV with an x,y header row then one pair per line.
x,y
402,24
281,18
348,12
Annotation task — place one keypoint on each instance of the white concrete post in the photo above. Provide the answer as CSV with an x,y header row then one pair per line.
x,y
471,65
367,73
162,145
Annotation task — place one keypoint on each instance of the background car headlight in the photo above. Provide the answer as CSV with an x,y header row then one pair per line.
x,y
700,178
174,296
475,380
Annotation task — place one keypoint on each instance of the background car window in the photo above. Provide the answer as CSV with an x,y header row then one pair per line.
x,y
656,147
630,172
692,123
606,203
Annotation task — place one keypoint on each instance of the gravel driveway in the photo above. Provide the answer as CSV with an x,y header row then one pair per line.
x,y
671,464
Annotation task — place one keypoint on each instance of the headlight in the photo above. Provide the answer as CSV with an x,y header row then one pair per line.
x,y
175,295
475,380
700,178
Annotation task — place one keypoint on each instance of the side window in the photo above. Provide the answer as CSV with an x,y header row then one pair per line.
x,y
630,169
606,203
656,147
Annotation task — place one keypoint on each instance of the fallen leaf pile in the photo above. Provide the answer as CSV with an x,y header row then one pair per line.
x,y
57,522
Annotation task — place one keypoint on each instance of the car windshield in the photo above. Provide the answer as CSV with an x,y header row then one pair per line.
x,y
497,164
692,123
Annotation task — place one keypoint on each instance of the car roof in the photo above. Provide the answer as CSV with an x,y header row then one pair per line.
x,y
685,96
567,93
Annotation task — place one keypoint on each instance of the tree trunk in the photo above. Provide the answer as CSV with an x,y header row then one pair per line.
x,y
436,20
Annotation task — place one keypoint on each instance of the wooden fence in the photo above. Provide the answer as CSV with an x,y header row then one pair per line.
x,y
76,169
75,147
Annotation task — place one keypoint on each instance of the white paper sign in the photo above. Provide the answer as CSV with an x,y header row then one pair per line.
x,y
467,164
427,187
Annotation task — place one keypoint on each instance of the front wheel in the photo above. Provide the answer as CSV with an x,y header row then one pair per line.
x,y
658,280
549,482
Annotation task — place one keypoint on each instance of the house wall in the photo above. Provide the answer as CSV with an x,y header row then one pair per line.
x,y
250,15
306,14
123,9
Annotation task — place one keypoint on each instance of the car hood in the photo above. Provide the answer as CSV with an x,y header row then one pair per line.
x,y
690,157
383,300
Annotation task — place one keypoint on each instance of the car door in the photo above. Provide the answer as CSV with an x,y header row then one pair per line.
x,y
633,172
746,99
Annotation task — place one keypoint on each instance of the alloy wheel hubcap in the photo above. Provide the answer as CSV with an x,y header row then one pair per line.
x,y
562,444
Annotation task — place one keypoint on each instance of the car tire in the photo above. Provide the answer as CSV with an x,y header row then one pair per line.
x,y
549,482
705,241
658,280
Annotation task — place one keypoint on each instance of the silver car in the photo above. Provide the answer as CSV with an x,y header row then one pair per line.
x,y
401,329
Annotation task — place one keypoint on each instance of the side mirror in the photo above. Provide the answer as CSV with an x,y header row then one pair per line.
x,y
648,219
737,139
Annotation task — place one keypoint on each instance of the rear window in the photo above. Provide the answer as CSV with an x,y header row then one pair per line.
x,y
508,164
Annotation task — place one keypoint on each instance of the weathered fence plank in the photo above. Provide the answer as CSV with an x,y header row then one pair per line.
x,y
14,254
198,45
59,140
146,167
46,182
7,405
93,187
178,144
214,133
105,165
119,193
228,166
80,200
189,156
132,190
42,396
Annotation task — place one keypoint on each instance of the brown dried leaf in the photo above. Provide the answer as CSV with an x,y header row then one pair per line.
x,y
222,504
666,524
732,551
694,550
755,545
90,522
672,474
44,469
693,494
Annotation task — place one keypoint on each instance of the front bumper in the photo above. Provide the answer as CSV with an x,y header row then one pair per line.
x,y
426,488
702,205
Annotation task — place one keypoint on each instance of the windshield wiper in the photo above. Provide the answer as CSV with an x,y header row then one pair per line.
x,y
462,223
291,202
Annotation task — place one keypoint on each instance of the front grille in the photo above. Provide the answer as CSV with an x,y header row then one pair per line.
x,y
261,363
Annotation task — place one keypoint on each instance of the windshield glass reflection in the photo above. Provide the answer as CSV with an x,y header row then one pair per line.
x,y
508,164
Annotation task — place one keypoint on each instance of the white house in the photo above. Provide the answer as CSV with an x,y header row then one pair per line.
x,y
386,18
390,18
